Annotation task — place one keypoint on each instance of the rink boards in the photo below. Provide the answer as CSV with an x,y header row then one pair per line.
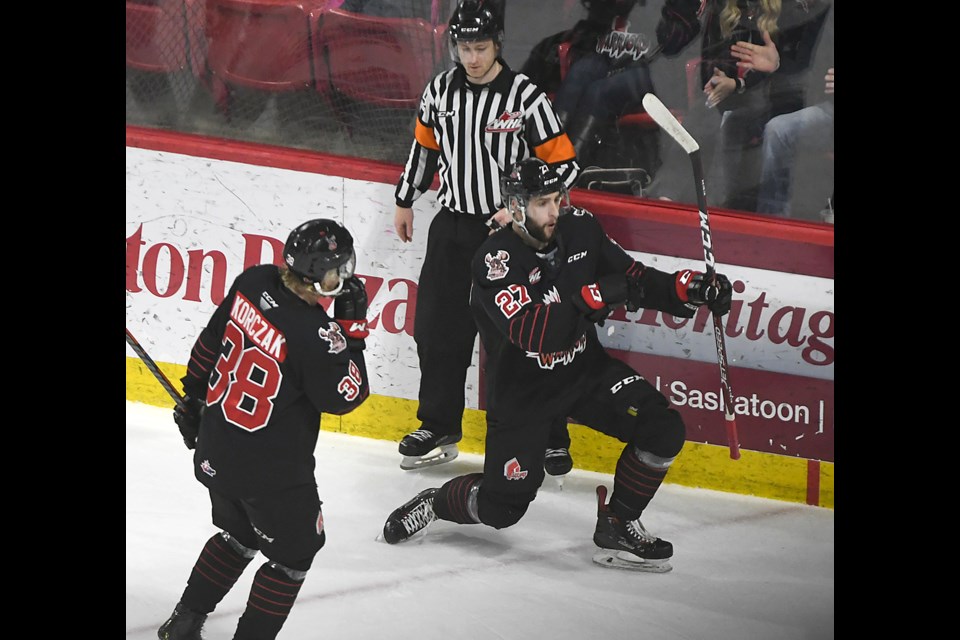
x,y
200,210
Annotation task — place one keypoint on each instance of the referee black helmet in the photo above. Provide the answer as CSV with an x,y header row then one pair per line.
x,y
475,20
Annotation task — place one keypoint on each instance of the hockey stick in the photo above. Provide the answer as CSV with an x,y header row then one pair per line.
x,y
154,369
662,116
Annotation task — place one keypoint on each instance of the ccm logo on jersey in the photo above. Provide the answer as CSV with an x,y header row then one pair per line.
x,y
620,385
576,257
508,122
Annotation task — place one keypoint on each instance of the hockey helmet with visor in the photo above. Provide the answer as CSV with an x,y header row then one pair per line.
x,y
530,178
321,252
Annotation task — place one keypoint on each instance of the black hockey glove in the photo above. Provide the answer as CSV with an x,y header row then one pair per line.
x,y
634,289
187,416
597,301
350,312
694,291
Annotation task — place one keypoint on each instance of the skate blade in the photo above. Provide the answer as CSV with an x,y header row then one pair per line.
x,y
440,455
559,480
630,562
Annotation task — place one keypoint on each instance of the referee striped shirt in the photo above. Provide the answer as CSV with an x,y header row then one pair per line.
x,y
475,133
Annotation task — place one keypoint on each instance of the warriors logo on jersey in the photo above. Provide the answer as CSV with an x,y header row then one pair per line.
x,y
334,336
497,264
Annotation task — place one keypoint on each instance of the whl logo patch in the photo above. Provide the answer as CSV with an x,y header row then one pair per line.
x,y
508,122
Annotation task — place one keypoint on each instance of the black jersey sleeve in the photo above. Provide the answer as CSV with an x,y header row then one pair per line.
x,y
647,287
334,376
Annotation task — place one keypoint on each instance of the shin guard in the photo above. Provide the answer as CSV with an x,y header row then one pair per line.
x,y
217,569
637,477
272,595
456,500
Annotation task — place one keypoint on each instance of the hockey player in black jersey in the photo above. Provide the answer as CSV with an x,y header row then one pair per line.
x,y
269,361
539,288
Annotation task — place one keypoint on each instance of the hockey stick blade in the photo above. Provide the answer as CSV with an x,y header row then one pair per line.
x,y
154,369
662,116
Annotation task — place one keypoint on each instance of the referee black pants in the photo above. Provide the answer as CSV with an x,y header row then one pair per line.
x,y
444,329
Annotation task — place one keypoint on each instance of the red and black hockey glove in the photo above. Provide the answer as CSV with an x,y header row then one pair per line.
x,y
694,291
350,312
187,416
597,300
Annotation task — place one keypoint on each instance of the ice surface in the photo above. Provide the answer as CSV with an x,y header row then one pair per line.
x,y
744,568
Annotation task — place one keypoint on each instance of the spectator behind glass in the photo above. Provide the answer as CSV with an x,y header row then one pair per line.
x,y
611,80
746,97
543,63
806,129
734,108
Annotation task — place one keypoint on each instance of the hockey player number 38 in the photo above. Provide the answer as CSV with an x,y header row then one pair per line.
x,y
247,379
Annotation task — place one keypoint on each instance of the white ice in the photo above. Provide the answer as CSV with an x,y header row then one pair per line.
x,y
744,568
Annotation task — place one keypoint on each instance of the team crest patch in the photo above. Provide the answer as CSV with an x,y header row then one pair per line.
x,y
497,264
334,336
512,470
535,275
508,122
207,469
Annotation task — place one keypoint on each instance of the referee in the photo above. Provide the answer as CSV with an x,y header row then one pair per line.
x,y
474,122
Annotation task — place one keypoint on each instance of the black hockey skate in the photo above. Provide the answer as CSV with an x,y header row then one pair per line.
x,y
423,448
410,518
183,624
557,462
628,545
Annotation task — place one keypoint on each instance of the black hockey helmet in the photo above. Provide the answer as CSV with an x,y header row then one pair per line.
x,y
530,178
474,20
321,252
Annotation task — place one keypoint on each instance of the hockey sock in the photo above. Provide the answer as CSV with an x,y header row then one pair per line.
x,y
272,595
637,477
456,500
220,564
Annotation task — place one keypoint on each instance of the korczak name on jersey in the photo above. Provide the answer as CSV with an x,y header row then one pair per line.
x,y
258,328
